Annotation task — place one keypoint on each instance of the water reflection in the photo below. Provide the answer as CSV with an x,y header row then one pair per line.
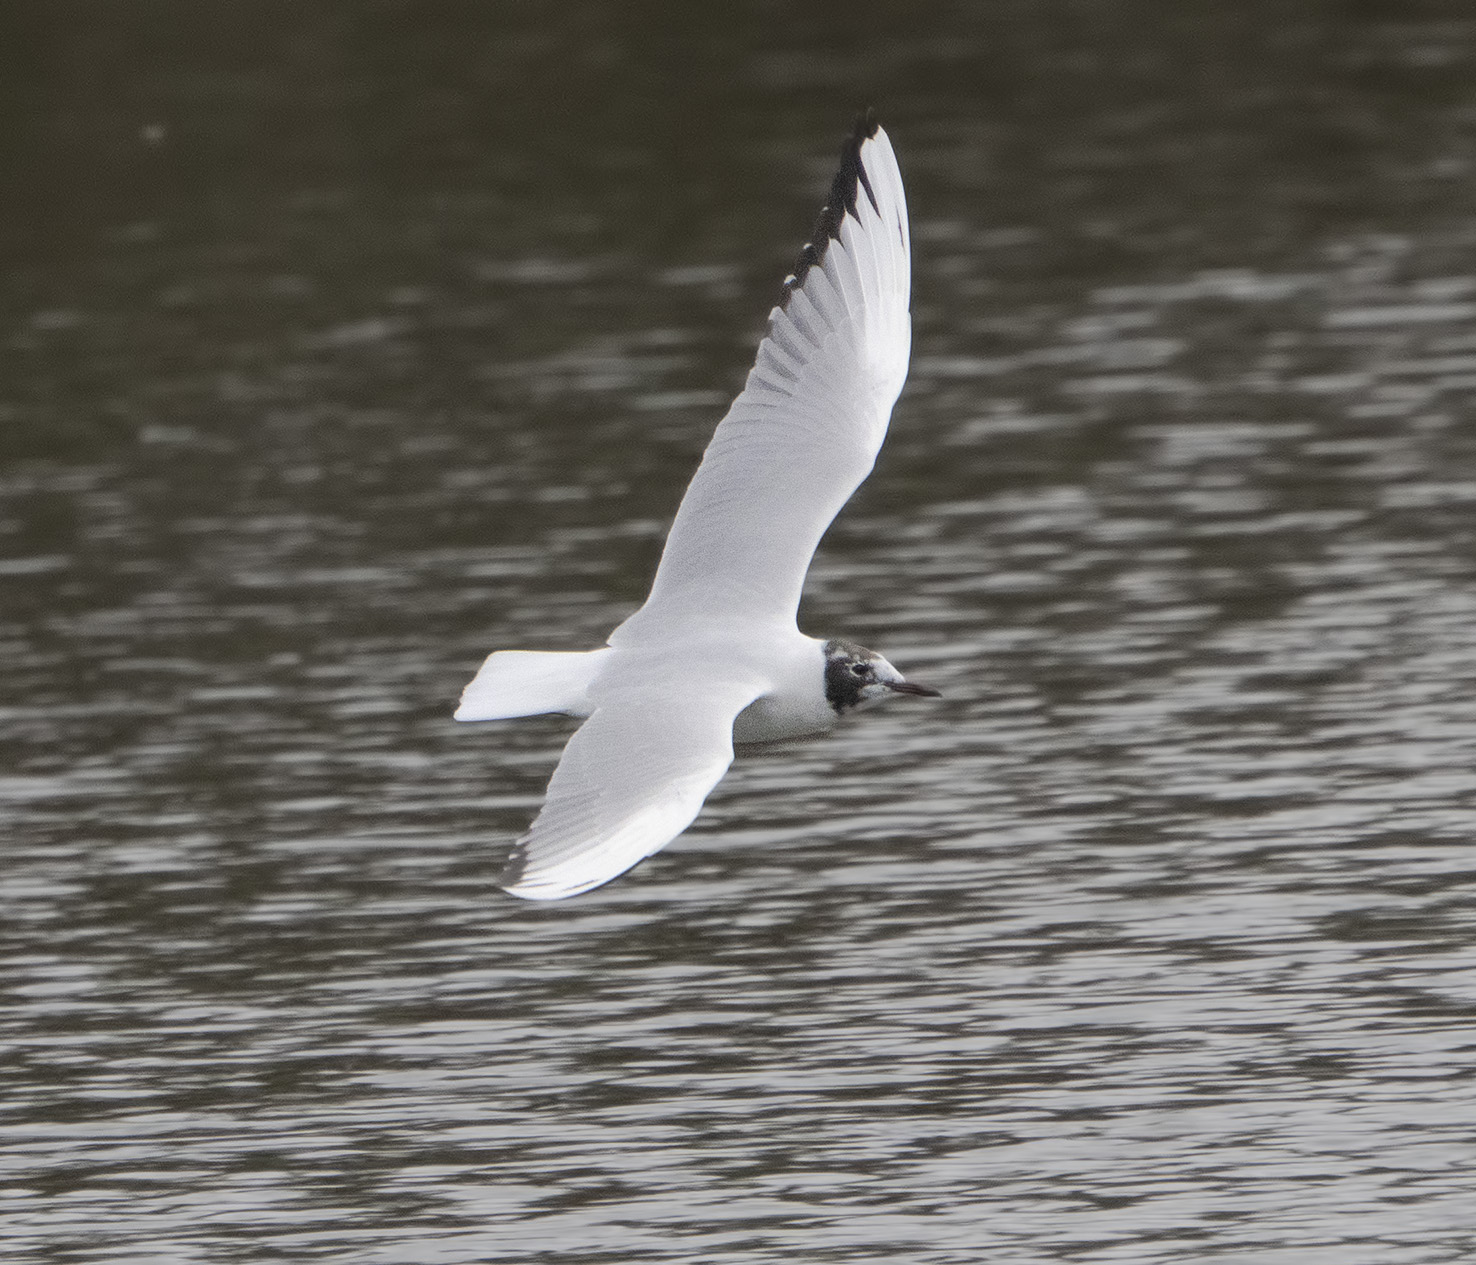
x,y
1151,943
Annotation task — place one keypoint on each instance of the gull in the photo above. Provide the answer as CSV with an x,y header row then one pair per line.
x,y
714,656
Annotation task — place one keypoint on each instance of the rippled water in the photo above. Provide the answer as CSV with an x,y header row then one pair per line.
x,y
364,355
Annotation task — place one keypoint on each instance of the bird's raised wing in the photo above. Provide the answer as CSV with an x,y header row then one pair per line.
x,y
806,429
632,778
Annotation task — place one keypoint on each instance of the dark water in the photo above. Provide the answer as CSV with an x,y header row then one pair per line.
x,y
341,348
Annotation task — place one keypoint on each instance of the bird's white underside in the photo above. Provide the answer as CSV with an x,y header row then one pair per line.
x,y
718,629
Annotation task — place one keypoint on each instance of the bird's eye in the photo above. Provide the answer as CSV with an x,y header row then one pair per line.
x,y
860,669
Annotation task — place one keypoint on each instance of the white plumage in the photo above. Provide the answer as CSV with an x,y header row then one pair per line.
x,y
805,431
715,651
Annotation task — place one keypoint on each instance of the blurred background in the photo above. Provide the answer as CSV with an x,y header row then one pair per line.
x,y
341,344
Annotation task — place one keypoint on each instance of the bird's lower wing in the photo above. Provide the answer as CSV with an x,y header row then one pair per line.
x,y
632,778
807,427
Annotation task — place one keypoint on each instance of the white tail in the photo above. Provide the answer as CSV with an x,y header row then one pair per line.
x,y
531,682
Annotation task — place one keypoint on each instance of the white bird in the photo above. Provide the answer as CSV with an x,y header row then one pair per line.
x,y
714,656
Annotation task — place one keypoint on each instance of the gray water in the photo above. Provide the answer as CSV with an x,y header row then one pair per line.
x,y
342,348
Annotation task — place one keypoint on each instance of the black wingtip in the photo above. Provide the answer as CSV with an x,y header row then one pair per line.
x,y
514,867
850,179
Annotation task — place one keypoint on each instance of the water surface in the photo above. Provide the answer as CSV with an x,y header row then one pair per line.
x,y
342,350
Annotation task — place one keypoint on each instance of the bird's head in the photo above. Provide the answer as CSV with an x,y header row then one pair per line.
x,y
857,678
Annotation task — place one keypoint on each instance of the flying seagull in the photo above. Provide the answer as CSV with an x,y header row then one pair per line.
x,y
714,656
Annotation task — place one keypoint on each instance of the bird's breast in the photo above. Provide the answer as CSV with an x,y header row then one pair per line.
x,y
777,716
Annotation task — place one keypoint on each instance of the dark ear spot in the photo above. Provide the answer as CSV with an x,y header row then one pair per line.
x,y
843,685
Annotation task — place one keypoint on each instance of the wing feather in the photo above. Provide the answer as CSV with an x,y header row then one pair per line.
x,y
806,429
632,778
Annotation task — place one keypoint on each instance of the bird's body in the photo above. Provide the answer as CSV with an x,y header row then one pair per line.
x,y
794,704
714,656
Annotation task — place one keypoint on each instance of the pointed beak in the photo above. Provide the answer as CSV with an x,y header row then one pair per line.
x,y
911,687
